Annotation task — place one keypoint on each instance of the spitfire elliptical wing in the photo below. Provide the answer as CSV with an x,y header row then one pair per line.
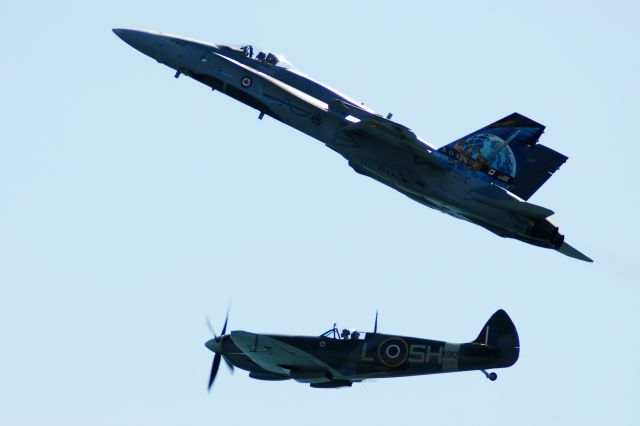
x,y
278,357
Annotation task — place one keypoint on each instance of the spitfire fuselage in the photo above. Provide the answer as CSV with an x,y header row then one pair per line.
x,y
337,359
375,356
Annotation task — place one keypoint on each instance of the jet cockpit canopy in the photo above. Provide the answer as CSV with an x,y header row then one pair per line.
x,y
261,55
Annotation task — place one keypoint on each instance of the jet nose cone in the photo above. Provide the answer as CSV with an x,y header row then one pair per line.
x,y
214,345
122,33
148,42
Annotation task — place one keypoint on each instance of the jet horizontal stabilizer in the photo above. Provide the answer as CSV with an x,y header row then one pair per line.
x,y
519,207
570,251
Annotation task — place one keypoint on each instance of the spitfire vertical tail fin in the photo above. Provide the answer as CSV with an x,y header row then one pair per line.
x,y
506,153
500,332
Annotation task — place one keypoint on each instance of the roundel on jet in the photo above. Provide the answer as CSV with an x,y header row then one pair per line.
x,y
393,352
246,82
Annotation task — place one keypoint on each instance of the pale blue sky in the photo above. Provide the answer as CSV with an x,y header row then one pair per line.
x,y
132,205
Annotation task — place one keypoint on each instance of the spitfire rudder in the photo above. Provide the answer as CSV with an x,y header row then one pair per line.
x,y
500,332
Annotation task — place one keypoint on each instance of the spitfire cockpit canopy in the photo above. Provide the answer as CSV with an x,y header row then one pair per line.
x,y
261,55
345,334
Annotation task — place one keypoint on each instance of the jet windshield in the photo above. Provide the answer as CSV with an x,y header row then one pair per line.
x,y
261,55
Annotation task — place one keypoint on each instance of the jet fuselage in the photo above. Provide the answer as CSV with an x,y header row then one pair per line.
x,y
260,81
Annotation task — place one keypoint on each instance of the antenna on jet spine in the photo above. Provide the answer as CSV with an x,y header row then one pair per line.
x,y
375,325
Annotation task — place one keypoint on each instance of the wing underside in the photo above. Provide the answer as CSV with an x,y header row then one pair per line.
x,y
279,357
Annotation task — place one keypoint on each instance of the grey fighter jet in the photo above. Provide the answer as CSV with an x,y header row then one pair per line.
x,y
484,177
340,358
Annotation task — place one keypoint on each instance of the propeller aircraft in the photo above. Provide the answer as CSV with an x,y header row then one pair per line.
x,y
485,177
338,359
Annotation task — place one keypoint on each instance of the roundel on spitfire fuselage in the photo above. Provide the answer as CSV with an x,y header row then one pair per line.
x,y
393,352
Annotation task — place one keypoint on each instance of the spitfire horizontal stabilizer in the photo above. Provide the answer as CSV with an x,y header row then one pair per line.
x,y
568,250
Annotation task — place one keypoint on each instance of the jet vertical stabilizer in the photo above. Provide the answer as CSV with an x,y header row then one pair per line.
x,y
505,153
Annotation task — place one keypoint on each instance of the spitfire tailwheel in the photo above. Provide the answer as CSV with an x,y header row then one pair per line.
x,y
491,376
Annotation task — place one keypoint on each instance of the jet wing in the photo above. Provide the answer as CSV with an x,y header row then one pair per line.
x,y
387,131
371,126
279,357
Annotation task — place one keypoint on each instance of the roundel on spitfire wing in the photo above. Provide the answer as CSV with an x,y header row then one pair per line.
x,y
246,81
393,352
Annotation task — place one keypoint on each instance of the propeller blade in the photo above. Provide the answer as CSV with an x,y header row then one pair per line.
x,y
226,361
210,327
375,326
224,327
214,370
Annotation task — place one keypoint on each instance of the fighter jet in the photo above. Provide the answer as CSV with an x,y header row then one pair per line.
x,y
338,359
484,177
